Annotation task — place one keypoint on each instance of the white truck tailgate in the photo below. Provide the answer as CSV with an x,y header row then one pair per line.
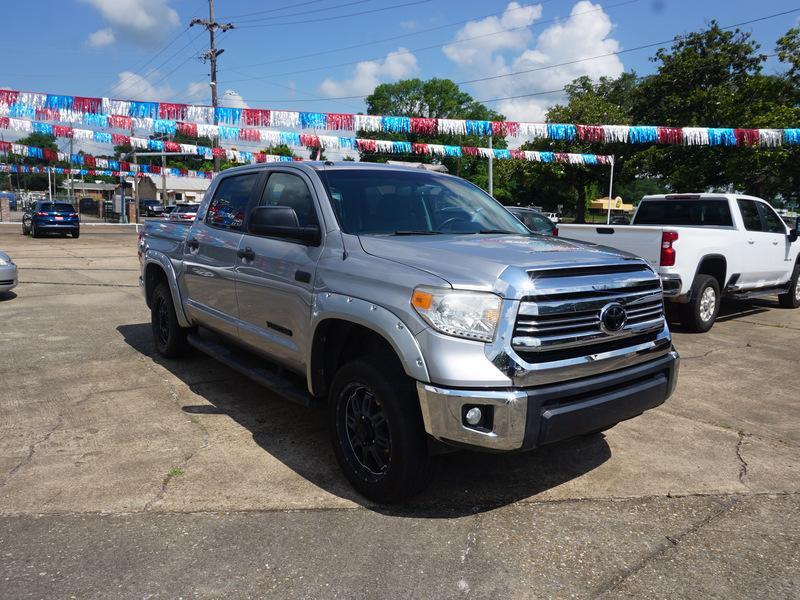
x,y
641,240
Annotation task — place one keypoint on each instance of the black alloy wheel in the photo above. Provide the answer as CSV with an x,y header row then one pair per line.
x,y
366,430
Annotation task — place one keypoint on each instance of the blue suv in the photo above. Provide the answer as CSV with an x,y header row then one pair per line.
x,y
45,216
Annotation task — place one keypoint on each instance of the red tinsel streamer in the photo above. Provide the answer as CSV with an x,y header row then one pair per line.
x,y
189,129
184,172
62,131
170,110
419,148
260,157
4,122
120,140
424,125
218,152
5,146
48,114
255,116
48,154
339,121
309,141
89,161
670,135
746,137
469,150
87,105
155,169
8,96
172,147
124,166
120,122
590,133
366,145
504,128
561,157
249,135
297,158
517,154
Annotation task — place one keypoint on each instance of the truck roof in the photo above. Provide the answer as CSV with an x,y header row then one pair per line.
x,y
329,165
699,196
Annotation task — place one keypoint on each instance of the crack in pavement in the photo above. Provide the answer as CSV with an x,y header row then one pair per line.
x,y
114,285
670,543
31,451
699,355
462,585
742,462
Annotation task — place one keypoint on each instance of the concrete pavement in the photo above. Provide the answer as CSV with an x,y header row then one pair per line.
x,y
122,474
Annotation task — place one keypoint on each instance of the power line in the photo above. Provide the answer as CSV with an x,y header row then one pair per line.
x,y
303,12
355,14
272,10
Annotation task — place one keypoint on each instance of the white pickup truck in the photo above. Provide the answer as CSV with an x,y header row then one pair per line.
x,y
706,246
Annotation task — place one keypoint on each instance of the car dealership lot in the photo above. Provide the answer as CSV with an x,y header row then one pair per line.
x,y
128,475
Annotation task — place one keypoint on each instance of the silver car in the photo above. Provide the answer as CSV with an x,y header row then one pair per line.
x,y
8,273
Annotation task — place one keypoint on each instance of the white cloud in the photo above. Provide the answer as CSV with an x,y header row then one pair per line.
x,y
134,86
232,99
137,22
585,33
369,73
197,91
100,38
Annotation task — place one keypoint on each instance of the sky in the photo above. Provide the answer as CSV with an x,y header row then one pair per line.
x,y
327,55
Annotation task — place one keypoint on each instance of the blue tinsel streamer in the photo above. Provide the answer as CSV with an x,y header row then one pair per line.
x,y
167,126
143,110
547,157
231,116
643,134
401,147
501,153
347,142
76,159
228,133
203,151
95,120
156,145
720,136
286,159
791,136
59,102
480,128
247,156
113,165
102,137
45,128
396,124
289,138
589,159
561,131
21,111
452,150
313,120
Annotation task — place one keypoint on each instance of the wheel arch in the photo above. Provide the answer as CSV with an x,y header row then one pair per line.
x,y
156,270
715,265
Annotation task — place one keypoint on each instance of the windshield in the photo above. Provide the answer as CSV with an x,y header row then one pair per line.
x,y
395,202
684,212
56,207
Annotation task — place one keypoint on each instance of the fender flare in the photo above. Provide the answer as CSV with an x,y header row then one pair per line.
x,y
165,264
327,305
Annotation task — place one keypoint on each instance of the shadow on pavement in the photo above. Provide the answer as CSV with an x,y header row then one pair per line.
x,y
464,482
4,296
730,310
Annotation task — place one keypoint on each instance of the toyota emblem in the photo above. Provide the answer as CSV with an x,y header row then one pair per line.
x,y
613,317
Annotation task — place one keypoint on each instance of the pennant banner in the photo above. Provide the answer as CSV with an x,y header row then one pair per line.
x,y
169,117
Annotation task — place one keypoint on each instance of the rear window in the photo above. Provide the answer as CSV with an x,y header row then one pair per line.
x,y
186,208
56,207
684,212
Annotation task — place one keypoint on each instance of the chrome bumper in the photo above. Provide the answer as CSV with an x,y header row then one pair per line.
x,y
671,285
523,419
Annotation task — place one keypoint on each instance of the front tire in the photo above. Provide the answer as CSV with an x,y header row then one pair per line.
x,y
34,231
700,313
377,431
791,299
169,337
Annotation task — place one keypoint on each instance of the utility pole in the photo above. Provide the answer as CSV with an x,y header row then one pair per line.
x,y
491,174
71,176
211,56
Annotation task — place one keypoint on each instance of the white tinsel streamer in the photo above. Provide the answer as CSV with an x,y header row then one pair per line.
x,y
63,156
271,138
70,116
383,145
205,130
329,141
83,134
532,130
575,159
145,123
4,110
616,133
116,107
32,99
101,163
436,149
138,142
20,125
453,126
532,155
188,148
200,114
366,123
770,137
284,118
19,149
695,136
486,152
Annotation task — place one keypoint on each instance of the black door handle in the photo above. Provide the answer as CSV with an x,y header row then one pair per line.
x,y
193,244
246,253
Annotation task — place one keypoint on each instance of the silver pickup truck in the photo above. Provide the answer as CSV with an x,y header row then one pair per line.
x,y
412,306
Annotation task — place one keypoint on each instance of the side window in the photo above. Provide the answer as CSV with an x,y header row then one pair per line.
x,y
750,216
773,221
228,206
285,189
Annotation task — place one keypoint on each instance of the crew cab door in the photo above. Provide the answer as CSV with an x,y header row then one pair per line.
x,y
210,257
275,276
763,262
778,266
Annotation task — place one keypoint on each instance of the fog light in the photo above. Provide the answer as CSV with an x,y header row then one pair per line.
x,y
474,415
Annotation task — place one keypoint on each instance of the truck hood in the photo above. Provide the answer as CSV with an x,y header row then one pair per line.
x,y
476,261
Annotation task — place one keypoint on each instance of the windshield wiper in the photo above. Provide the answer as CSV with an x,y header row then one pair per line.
x,y
416,232
484,231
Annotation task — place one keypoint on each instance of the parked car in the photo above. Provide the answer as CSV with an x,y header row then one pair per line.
x,y
620,220
44,216
167,212
706,247
553,217
534,220
150,208
414,306
8,273
185,211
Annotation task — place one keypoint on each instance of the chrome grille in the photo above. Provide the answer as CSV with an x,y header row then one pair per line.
x,y
563,316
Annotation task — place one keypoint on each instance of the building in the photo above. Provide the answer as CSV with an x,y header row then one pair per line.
x,y
96,190
179,189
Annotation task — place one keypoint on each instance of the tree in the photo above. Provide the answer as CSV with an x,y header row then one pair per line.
x,y
36,182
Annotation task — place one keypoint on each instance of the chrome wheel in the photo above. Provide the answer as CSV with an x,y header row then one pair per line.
x,y
708,304
797,289
367,429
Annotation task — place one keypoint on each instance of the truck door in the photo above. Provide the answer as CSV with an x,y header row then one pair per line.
x,y
754,250
275,276
778,266
210,254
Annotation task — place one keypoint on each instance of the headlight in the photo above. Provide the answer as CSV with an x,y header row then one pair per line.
x,y
470,315
4,262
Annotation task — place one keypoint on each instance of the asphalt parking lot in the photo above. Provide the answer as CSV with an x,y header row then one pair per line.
x,y
126,475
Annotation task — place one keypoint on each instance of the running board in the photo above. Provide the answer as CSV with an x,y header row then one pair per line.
x,y
735,293
250,365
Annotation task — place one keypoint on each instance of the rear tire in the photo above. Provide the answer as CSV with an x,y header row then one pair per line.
x,y
169,337
791,299
377,430
34,232
76,234
700,313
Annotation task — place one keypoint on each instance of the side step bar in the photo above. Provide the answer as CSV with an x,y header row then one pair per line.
x,y
735,293
271,377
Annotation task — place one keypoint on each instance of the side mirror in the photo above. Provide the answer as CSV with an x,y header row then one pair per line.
x,y
282,222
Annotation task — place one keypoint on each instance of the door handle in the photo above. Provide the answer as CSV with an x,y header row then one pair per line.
x,y
247,254
193,244
751,241
775,243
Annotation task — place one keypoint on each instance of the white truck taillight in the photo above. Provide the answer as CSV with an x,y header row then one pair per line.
x,y
667,251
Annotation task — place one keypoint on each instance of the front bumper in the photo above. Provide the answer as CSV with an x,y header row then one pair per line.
x,y
523,419
8,277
